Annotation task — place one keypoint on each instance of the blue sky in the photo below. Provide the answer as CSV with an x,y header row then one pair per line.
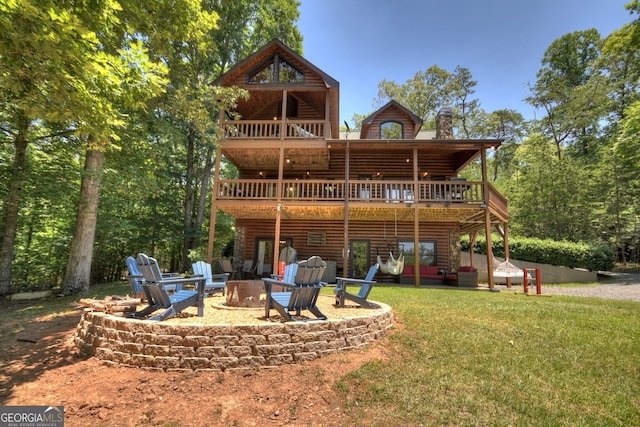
x,y
362,42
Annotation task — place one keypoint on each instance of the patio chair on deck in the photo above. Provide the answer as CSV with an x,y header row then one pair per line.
x,y
365,287
301,293
159,299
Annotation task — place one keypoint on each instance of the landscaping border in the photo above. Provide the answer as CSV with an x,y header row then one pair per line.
x,y
197,347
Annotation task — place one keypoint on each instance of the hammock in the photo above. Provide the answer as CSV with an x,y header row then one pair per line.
x,y
392,266
506,269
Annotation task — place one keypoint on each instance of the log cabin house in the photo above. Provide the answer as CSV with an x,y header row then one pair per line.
x,y
345,196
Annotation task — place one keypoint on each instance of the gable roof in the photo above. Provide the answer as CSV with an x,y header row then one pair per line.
x,y
366,123
268,50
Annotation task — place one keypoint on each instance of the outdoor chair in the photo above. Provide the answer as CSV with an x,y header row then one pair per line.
x,y
365,287
227,267
134,277
214,282
157,296
467,277
301,293
249,270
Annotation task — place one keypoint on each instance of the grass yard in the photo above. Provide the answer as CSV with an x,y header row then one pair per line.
x,y
481,358
457,357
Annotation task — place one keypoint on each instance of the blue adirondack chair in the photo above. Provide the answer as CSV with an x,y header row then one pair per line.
x,y
215,282
302,283
157,296
135,277
363,293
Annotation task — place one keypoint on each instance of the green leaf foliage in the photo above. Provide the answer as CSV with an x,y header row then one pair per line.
x,y
561,253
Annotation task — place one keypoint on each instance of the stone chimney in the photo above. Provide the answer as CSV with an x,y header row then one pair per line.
x,y
444,123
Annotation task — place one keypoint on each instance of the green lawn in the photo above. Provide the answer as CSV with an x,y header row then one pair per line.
x,y
460,357
481,358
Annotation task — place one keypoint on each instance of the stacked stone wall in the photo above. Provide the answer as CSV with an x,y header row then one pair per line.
x,y
196,347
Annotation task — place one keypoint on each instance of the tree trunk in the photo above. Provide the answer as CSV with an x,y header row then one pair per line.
x,y
204,191
188,203
78,272
12,204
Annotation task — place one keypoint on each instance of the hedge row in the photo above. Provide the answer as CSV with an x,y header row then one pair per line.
x,y
568,254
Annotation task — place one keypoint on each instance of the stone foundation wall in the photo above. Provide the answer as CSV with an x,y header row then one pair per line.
x,y
182,347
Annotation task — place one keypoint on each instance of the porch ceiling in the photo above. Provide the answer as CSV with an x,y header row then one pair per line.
x,y
263,104
314,156
469,218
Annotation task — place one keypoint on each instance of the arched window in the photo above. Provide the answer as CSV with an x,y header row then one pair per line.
x,y
391,130
274,71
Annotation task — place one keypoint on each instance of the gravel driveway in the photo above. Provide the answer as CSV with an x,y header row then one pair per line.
x,y
624,286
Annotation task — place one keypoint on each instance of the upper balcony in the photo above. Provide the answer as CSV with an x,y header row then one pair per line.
x,y
256,144
276,129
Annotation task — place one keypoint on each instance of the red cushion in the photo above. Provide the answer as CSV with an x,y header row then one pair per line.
x,y
430,272
467,268
408,271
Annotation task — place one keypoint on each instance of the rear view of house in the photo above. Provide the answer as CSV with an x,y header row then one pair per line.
x,y
348,197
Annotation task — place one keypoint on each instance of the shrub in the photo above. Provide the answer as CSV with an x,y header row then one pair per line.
x,y
568,254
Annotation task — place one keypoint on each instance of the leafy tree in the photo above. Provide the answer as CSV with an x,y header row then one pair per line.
x,y
508,125
546,193
423,94
466,107
625,157
570,89
189,109
78,66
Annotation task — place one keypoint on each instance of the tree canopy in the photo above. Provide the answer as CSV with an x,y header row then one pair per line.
x,y
108,124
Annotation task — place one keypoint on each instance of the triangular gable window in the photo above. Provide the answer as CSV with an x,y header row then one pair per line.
x,y
276,70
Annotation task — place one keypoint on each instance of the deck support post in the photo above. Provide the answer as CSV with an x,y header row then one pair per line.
x,y
416,221
487,217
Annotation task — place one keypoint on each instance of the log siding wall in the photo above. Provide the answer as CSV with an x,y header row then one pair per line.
x,y
379,233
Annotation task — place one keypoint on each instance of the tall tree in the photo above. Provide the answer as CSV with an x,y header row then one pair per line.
x,y
508,125
466,108
423,94
190,107
570,89
79,65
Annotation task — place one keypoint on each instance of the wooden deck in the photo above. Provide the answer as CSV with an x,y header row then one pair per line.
x,y
326,199
435,192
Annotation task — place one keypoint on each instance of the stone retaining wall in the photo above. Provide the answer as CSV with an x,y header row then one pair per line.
x,y
189,347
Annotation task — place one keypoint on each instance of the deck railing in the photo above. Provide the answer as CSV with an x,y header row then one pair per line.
x,y
497,202
429,192
275,129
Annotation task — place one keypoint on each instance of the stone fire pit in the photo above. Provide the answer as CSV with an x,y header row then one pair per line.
x,y
245,293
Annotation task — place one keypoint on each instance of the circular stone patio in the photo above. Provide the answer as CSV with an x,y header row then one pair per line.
x,y
222,340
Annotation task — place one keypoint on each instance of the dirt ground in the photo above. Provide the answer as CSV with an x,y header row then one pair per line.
x,y
40,365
